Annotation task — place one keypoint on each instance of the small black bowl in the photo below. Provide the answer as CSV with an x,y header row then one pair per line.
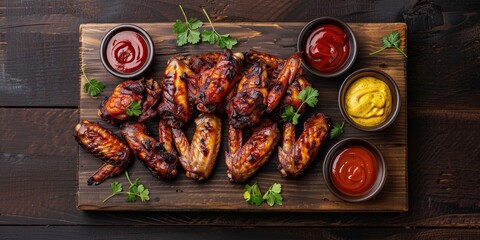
x,y
377,185
121,28
382,76
352,55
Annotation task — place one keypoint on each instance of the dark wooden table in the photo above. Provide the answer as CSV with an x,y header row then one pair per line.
x,y
39,99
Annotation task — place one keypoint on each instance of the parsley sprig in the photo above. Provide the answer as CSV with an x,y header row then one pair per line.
x,y
213,37
392,40
253,195
136,190
337,130
309,96
134,109
188,32
92,86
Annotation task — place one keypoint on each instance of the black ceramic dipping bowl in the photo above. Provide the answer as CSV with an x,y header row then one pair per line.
x,y
381,175
150,48
311,26
382,76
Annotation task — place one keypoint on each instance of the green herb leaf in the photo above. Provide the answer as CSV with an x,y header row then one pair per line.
x,y
392,40
252,194
134,191
309,96
187,32
272,196
213,37
116,187
134,109
93,87
337,130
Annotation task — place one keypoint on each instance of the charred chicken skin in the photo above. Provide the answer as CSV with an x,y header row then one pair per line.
x,y
202,62
114,108
104,144
250,100
198,158
243,161
175,106
212,86
159,157
296,156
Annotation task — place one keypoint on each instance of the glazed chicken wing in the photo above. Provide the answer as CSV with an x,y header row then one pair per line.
x,y
147,92
243,161
296,156
250,100
211,87
104,144
202,62
175,106
198,158
159,157
280,84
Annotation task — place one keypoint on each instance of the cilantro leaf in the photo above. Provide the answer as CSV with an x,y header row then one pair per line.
x,y
134,109
252,194
134,191
309,96
187,32
337,130
93,87
213,37
272,196
392,40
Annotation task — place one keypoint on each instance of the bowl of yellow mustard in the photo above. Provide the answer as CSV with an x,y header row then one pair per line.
x,y
369,99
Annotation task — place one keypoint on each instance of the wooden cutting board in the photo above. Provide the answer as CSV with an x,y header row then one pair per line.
x,y
307,193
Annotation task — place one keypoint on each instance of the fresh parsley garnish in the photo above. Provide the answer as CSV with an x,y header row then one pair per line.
x,y
392,40
253,195
309,96
337,130
272,196
213,37
92,86
187,32
136,190
134,109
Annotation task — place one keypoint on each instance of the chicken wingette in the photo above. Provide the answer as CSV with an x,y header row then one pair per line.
x,y
295,156
244,160
198,157
159,157
104,144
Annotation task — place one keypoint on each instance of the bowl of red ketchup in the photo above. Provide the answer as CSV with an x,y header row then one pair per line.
x,y
354,170
127,51
329,47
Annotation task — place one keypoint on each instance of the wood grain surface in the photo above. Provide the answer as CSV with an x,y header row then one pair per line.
x,y
39,100
308,193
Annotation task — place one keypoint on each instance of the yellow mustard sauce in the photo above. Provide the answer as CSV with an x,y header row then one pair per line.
x,y
368,101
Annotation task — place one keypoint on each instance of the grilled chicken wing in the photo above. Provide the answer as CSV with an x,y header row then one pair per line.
x,y
175,106
114,108
104,144
250,100
280,84
296,156
202,62
243,161
198,158
212,86
159,157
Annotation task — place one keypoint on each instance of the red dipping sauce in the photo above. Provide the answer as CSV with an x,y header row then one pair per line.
x,y
127,51
327,48
354,170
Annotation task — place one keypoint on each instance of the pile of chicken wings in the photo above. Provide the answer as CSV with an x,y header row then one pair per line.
x,y
214,85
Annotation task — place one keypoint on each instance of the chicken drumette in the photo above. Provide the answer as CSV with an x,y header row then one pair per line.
x,y
147,92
